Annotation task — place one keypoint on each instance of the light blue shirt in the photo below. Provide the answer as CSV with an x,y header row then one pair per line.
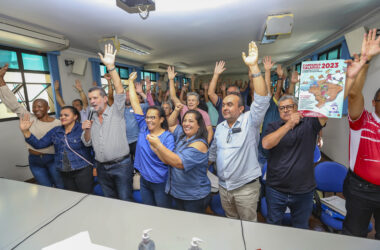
x,y
236,159
131,123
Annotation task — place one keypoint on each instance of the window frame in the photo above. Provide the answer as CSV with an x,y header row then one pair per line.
x,y
23,84
326,52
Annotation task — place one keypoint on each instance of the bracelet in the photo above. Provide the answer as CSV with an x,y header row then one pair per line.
x,y
109,70
256,75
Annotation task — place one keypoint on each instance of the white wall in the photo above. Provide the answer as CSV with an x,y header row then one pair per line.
x,y
223,77
12,147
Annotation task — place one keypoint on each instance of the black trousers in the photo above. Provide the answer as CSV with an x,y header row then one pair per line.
x,y
362,201
79,180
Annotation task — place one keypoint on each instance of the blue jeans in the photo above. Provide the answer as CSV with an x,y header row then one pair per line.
x,y
116,179
301,206
154,194
196,206
44,170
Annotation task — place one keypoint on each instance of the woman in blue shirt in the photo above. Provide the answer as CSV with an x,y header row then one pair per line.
x,y
187,183
153,171
72,158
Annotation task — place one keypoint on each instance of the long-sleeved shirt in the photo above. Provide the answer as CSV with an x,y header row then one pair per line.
x,y
109,139
58,138
235,149
38,128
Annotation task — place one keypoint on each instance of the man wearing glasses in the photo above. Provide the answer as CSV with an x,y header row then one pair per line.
x,y
290,176
234,148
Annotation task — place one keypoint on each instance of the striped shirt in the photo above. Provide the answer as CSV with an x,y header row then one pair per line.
x,y
365,147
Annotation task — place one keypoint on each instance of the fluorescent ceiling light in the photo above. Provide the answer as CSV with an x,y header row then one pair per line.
x,y
193,5
134,50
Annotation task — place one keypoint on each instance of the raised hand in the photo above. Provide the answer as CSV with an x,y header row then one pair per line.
x,y
78,85
205,86
171,73
132,76
25,122
109,56
3,70
268,64
107,76
178,107
159,84
253,55
219,67
294,78
371,45
56,85
138,87
354,66
279,71
148,85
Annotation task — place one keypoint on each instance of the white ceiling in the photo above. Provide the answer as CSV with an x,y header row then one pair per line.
x,y
196,32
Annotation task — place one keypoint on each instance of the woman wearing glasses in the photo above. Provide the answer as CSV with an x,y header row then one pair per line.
x,y
153,171
187,183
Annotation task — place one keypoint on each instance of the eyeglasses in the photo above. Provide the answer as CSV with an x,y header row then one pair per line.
x,y
150,117
287,107
378,100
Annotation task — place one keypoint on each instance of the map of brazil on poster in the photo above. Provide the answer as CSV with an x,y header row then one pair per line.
x,y
321,90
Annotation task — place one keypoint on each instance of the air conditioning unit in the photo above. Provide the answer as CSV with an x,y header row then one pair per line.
x,y
126,46
156,67
19,35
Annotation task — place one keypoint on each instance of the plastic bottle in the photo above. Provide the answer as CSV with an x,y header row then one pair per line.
x,y
195,244
146,243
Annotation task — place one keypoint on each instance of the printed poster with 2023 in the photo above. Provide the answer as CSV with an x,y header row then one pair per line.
x,y
321,91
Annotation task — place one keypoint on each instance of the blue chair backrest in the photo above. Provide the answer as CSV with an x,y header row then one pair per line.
x,y
330,176
317,154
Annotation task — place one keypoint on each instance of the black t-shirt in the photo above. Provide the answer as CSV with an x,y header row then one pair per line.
x,y
291,162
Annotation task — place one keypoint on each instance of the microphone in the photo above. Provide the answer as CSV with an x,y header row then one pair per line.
x,y
92,111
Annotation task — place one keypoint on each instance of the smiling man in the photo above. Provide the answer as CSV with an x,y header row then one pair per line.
x,y
107,135
234,148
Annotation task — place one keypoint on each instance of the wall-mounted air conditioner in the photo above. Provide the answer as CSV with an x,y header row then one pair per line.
x,y
156,67
19,35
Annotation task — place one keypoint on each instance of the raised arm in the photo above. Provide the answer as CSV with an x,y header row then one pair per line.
x,y
219,68
182,96
148,92
268,64
58,96
107,76
370,48
133,95
171,76
293,81
139,90
205,91
173,118
280,80
193,83
83,97
251,62
7,96
109,60
160,92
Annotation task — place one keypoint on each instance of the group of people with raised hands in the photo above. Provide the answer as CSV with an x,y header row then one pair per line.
x,y
168,137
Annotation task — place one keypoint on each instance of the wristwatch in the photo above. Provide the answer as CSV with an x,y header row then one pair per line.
x,y
256,75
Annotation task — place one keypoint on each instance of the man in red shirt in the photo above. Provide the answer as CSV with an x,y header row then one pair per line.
x,y
362,184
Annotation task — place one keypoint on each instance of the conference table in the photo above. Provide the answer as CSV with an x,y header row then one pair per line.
x,y
34,217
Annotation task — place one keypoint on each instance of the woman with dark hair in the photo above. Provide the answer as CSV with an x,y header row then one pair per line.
x,y
71,157
153,171
187,183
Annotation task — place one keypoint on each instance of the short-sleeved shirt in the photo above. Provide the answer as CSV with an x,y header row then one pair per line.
x,y
291,162
365,147
190,183
131,123
204,114
146,161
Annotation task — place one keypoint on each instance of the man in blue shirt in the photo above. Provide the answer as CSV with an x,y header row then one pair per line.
x,y
234,148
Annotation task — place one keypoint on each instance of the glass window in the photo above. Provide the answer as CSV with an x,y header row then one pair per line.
x,y
26,86
333,54
124,73
34,62
10,57
322,56
103,70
